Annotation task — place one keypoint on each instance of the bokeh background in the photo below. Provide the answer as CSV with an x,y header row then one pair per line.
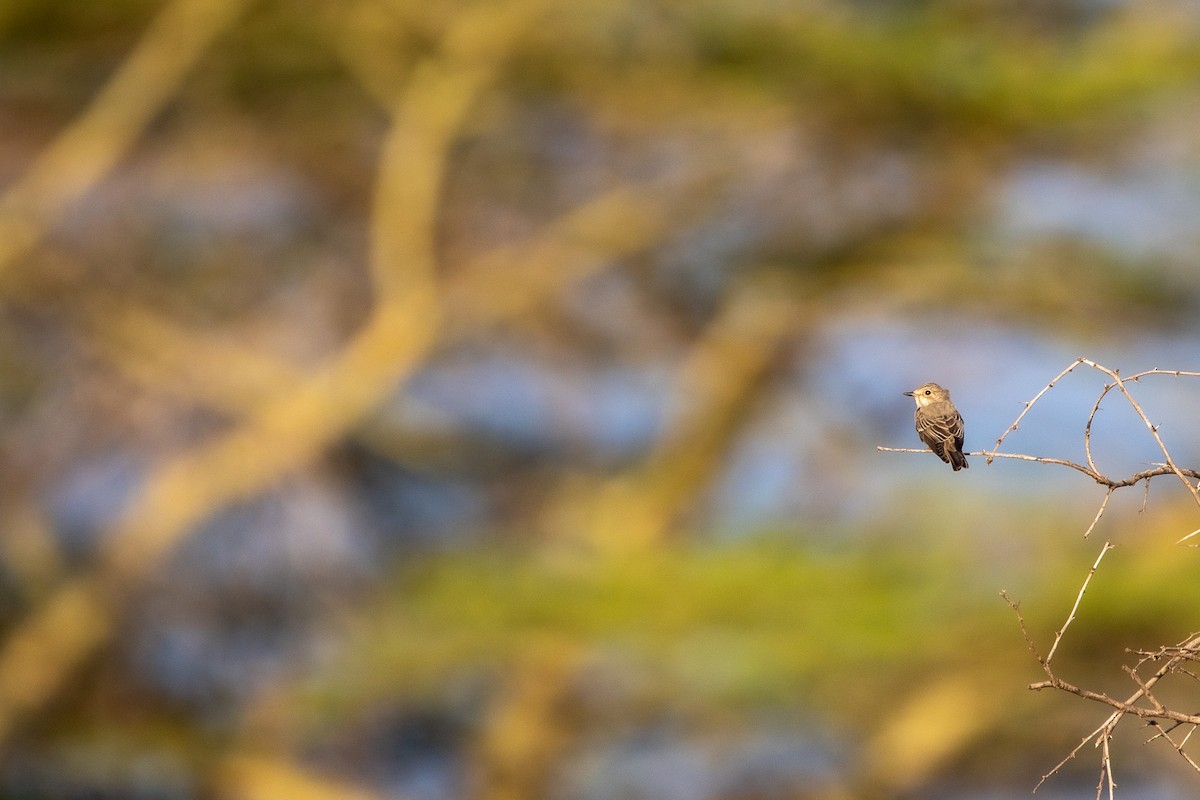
x,y
481,399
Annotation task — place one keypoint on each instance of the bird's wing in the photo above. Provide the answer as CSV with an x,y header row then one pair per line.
x,y
938,425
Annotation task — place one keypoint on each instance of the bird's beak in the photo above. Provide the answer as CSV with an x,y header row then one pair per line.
x,y
907,394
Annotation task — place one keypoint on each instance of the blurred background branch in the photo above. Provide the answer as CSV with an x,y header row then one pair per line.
x,y
477,399
87,150
293,421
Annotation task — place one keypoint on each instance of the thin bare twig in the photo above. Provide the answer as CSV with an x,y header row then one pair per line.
x,y
1120,384
1100,511
1029,406
1177,746
1103,480
1033,649
1156,714
1106,771
1078,598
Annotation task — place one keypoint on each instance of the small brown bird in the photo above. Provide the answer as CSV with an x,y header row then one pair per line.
x,y
939,424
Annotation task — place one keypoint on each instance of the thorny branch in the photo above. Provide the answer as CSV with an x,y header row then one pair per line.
x,y
1103,480
1172,726
1142,703
1168,467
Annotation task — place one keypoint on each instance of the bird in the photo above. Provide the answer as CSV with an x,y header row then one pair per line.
x,y
939,424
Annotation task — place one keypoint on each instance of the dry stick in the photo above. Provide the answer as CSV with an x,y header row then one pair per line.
x,y
1118,383
1020,456
1016,607
1153,428
1185,653
1127,706
1106,769
1100,511
1103,480
1074,752
1029,405
1087,431
1105,729
1178,746
1122,707
1079,597
1155,705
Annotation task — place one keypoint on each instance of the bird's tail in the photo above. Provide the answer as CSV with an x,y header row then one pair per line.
x,y
957,459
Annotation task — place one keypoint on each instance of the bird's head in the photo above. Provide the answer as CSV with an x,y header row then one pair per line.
x,y
929,393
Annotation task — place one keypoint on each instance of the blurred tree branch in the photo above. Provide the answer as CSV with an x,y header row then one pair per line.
x,y
297,419
792,103
247,776
221,372
87,150
529,725
721,375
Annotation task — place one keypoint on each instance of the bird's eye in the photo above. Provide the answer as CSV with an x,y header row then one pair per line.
x,y
928,392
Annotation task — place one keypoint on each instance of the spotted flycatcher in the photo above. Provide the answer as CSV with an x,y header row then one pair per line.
x,y
939,424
